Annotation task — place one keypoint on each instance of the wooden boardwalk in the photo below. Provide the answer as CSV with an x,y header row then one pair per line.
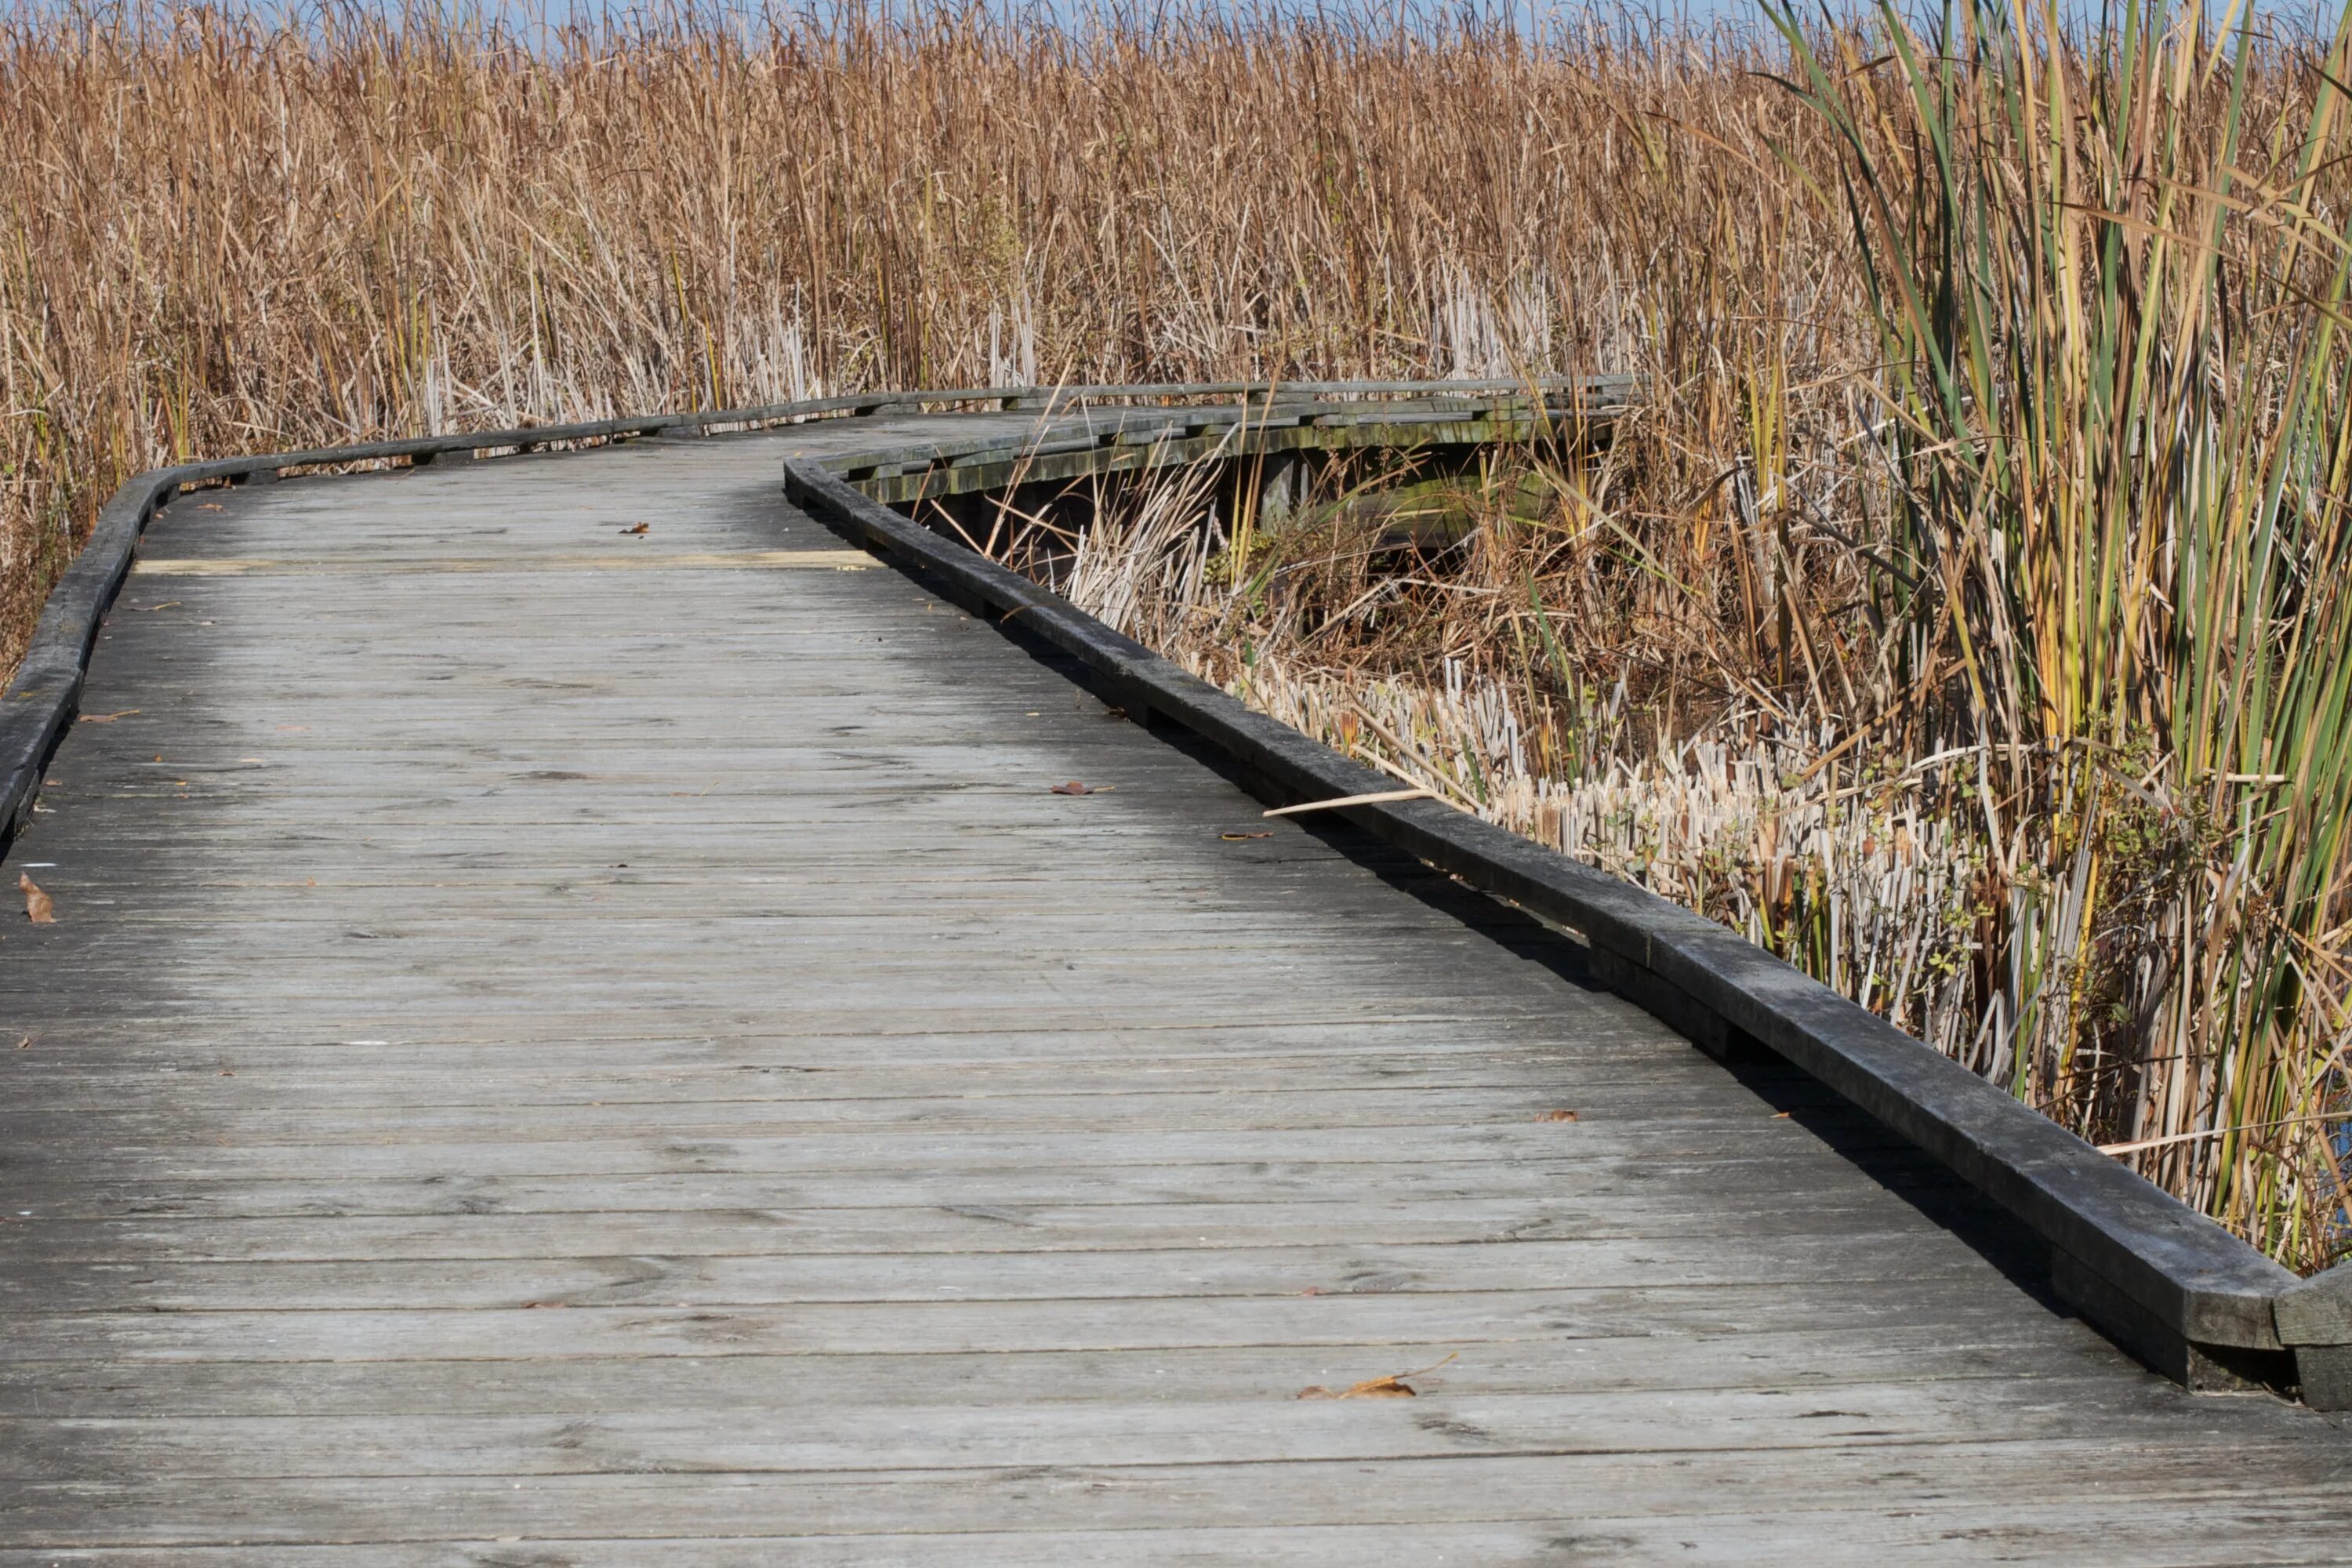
x,y
563,1045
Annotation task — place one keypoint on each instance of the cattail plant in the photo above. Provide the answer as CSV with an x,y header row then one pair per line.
x,y
2110,312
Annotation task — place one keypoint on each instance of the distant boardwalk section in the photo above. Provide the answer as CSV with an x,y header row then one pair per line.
x,y
578,1031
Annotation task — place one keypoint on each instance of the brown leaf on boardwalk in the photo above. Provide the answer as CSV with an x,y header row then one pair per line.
x,y
107,718
38,909
1392,1386
1237,837
1557,1116
1072,787
1370,1388
641,528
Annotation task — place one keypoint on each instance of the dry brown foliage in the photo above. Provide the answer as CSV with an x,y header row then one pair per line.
x,y
222,237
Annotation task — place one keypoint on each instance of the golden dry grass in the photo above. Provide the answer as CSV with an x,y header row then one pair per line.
x,y
222,239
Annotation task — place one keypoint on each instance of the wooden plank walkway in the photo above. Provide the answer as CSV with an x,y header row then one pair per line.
x,y
570,1046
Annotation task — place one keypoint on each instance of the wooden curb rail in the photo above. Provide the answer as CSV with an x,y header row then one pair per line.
x,y
2191,1299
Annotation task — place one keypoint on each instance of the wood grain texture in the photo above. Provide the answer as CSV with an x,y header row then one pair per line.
x,y
543,1064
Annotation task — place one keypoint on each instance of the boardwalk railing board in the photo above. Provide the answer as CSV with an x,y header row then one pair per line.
x,y
2176,1289
2194,1301
1142,439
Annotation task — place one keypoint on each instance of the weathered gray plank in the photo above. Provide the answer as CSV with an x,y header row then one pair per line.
x,y
2238,1530
1187,1429
946,1324
1794,1363
1702,1195
601,1227
1863,1258
1786,1490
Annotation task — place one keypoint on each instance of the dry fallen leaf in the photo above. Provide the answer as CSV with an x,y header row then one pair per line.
x,y
37,906
1237,837
26,1043
1392,1386
1781,1115
107,718
1072,787
1557,1116
641,528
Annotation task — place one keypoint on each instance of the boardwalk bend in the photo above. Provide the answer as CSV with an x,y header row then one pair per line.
x,y
566,1045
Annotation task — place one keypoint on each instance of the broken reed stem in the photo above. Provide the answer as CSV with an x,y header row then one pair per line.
x,y
1377,797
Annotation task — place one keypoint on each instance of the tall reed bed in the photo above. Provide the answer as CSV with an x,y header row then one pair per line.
x,y
216,234
1962,616
2109,281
